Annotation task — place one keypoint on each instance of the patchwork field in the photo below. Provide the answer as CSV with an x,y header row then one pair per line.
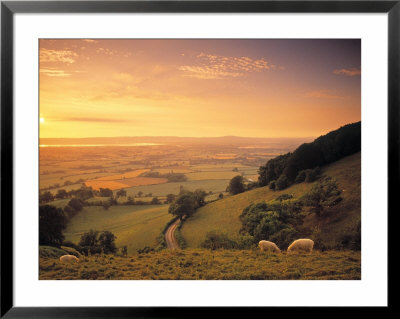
x,y
124,183
134,226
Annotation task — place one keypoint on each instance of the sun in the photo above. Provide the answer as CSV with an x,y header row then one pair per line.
x,y
41,120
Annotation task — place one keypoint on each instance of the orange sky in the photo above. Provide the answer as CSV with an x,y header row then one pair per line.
x,y
254,88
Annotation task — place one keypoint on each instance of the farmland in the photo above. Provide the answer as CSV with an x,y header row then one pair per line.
x,y
204,166
134,226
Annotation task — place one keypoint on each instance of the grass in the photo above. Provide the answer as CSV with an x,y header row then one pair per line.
x,y
223,215
135,226
173,188
211,175
200,264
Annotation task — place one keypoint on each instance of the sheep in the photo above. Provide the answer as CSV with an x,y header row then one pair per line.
x,y
266,245
69,258
301,244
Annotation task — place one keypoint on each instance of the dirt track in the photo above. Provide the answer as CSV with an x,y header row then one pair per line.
x,y
172,243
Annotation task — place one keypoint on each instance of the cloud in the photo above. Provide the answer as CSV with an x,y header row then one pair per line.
x,y
347,72
93,120
57,73
218,67
322,94
90,40
64,56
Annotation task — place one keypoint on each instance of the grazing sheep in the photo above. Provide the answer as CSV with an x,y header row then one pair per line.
x,y
69,258
266,245
301,244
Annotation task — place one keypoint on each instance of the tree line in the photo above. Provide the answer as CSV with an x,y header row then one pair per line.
x,y
302,165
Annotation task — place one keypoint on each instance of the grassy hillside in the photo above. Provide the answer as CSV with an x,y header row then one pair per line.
x,y
223,215
134,226
205,264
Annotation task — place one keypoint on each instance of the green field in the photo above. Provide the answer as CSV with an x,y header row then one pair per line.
x,y
134,226
199,264
223,215
173,188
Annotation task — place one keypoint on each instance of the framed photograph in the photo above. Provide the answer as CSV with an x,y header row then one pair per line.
x,y
158,156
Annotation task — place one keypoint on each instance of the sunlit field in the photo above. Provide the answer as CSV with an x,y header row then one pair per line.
x,y
200,264
135,226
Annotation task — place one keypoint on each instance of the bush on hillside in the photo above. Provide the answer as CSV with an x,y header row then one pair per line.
x,y
282,182
236,185
216,240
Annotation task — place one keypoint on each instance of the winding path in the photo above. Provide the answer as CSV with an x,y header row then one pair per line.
x,y
172,243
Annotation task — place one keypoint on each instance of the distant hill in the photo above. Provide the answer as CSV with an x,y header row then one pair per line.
x,y
168,140
333,228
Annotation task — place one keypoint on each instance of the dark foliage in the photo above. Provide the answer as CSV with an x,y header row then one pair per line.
x,y
276,222
215,240
52,222
236,185
324,150
186,203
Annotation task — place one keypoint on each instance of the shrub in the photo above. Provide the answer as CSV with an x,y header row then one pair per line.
x,y
215,240
272,185
312,174
301,176
282,182
236,185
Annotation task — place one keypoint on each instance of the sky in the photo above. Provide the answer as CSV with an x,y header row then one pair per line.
x,y
198,88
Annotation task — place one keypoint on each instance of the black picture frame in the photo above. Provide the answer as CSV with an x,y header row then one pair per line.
x,y
9,8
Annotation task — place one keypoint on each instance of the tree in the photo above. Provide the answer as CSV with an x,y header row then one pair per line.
x,y
121,193
282,182
140,193
46,197
89,239
107,242
61,193
130,201
236,185
76,204
323,194
170,198
199,196
52,222
106,192
184,205
155,201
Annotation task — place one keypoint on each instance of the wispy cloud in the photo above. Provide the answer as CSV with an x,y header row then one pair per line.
x,y
322,94
347,72
210,66
57,73
93,119
65,56
90,40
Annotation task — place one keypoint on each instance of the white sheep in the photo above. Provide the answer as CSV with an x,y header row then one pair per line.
x,y
266,245
69,258
301,244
